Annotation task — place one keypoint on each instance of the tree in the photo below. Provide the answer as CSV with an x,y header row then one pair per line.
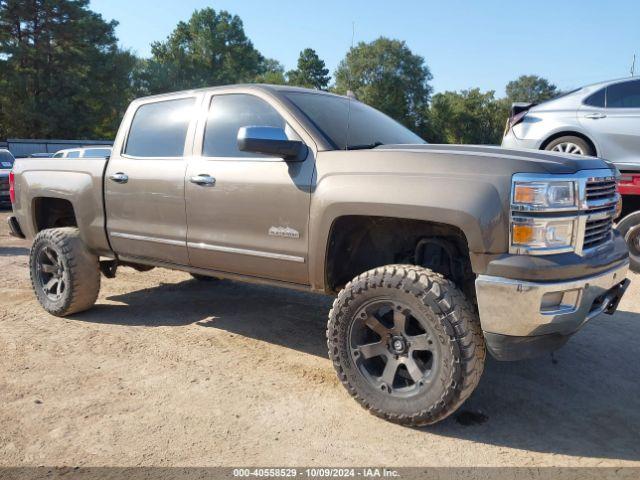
x,y
388,76
272,73
210,49
469,116
61,72
311,71
530,88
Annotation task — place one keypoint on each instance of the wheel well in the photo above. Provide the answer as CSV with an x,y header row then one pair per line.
x,y
360,243
53,213
573,134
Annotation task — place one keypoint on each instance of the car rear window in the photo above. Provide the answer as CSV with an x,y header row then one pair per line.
x,y
596,99
6,159
160,129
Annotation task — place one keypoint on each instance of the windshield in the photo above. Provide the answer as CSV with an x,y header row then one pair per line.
x,y
367,127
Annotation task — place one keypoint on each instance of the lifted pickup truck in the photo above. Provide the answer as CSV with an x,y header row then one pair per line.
x,y
436,252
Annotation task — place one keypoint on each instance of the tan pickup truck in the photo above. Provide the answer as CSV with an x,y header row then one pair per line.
x,y
436,253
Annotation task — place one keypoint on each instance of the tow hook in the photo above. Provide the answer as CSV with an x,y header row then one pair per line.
x,y
617,296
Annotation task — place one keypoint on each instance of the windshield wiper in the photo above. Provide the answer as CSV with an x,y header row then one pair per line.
x,y
364,147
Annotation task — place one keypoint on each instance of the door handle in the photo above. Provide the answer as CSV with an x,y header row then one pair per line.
x,y
204,180
119,177
595,116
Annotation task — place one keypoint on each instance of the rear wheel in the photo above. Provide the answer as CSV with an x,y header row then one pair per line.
x,y
406,344
64,274
570,144
629,227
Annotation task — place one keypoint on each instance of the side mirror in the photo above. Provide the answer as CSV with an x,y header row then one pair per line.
x,y
270,141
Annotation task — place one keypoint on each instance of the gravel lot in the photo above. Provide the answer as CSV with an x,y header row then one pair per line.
x,y
168,371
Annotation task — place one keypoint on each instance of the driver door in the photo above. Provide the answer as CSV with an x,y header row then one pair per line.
x,y
246,213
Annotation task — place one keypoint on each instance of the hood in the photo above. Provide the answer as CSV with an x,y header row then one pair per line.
x,y
502,161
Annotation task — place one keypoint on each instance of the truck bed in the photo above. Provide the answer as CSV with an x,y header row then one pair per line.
x,y
79,181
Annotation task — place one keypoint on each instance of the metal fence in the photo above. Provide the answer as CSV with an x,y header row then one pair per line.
x,y
21,147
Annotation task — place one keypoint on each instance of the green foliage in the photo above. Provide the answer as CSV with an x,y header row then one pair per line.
x,y
61,72
311,71
530,88
210,49
272,73
388,76
469,116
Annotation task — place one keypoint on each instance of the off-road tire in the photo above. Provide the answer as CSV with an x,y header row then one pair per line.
x,y
581,142
629,228
80,271
458,330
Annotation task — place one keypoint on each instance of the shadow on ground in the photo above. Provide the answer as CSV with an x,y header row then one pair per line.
x,y
583,403
13,251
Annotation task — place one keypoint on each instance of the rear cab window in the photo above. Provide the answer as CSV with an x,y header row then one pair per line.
x,y
159,129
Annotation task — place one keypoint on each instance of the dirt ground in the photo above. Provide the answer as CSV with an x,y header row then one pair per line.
x,y
166,371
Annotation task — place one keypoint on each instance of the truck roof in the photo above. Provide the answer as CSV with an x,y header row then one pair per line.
x,y
265,87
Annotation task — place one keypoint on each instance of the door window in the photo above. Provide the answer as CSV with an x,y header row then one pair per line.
x,y
229,113
73,154
160,129
624,95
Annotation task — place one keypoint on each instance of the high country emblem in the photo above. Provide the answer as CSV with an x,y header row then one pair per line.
x,y
286,232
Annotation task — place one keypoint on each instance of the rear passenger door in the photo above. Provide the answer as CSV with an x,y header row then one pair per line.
x,y
616,127
252,216
144,181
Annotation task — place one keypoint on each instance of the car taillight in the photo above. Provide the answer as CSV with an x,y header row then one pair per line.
x,y
629,184
12,189
517,118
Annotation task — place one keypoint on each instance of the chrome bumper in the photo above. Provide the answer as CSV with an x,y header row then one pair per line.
x,y
522,308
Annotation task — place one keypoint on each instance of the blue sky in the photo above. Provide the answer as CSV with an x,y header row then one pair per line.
x,y
482,43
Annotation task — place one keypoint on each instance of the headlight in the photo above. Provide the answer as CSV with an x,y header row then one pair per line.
x,y
542,235
543,195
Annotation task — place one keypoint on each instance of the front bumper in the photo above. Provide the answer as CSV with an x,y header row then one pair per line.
x,y
517,308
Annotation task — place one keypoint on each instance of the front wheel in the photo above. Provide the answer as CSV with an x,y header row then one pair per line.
x,y
406,344
629,227
65,276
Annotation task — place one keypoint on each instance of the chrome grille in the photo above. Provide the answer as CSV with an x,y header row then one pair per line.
x,y
597,232
598,189
601,196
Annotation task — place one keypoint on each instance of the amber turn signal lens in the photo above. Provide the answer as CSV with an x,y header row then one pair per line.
x,y
522,234
524,194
